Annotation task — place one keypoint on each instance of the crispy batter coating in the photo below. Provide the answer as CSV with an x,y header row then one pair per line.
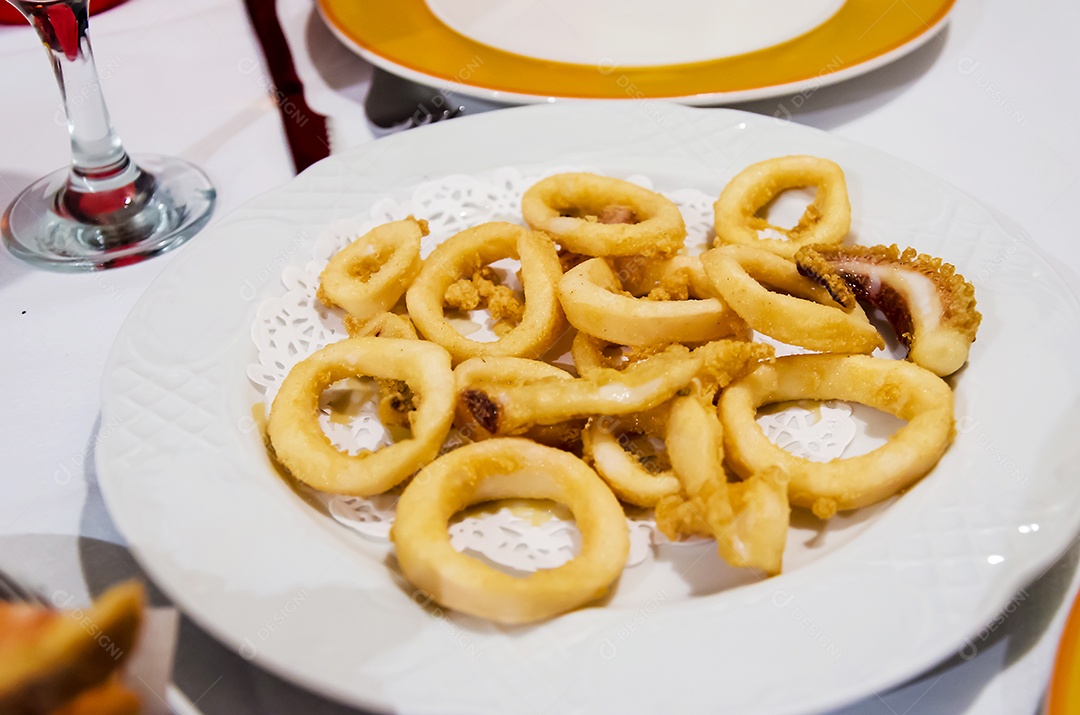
x,y
370,274
825,221
767,291
500,469
930,306
596,303
602,216
900,388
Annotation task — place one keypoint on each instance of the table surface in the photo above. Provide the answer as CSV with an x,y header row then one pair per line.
x,y
986,105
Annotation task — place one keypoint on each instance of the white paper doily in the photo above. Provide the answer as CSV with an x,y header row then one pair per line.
x,y
290,327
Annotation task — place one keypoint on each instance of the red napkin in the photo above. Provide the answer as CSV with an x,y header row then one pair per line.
x,y
304,129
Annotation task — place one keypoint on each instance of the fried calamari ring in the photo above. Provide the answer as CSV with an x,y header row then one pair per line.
x,y
826,220
638,387
465,253
601,216
929,305
592,297
675,278
370,274
806,316
636,476
504,410
382,325
501,469
510,371
591,354
749,519
301,445
900,388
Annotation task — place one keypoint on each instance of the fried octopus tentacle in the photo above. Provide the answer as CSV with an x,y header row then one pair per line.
x,y
930,306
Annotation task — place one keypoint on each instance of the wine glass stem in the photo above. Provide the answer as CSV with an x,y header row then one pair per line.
x,y
97,154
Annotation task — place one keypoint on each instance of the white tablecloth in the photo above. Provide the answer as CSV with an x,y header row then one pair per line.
x,y
988,105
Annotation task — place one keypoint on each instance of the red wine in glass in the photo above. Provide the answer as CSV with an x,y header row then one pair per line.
x,y
107,209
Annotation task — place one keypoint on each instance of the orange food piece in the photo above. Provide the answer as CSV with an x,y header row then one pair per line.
x,y
64,662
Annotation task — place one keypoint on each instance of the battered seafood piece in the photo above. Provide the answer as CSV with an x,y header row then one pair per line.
x,y
300,444
502,469
511,371
825,222
929,305
601,216
371,274
900,388
639,387
591,354
595,303
635,472
748,519
768,292
382,325
464,255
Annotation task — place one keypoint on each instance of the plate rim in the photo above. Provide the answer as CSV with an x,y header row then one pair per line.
x,y
701,99
250,211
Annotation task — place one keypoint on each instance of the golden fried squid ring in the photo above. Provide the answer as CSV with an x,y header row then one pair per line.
x,y
639,387
592,297
804,314
749,519
636,476
591,354
675,278
512,409
899,388
382,325
512,371
929,305
301,445
465,253
601,216
826,220
501,469
371,274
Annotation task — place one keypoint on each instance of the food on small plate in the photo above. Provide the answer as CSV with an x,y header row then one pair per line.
x,y
770,294
930,306
541,322
298,439
826,220
67,662
600,216
900,388
502,469
371,274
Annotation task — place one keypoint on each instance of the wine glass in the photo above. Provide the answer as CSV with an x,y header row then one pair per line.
x,y
107,209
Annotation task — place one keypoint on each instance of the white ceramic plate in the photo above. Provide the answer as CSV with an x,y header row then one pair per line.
x,y
186,479
698,51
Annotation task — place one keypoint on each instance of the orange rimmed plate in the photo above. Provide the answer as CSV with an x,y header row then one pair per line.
x,y
1063,697
698,52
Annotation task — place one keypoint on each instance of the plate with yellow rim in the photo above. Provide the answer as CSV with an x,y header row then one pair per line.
x,y
1063,697
696,51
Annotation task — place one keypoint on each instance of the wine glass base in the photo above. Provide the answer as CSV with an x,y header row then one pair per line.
x,y
35,230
